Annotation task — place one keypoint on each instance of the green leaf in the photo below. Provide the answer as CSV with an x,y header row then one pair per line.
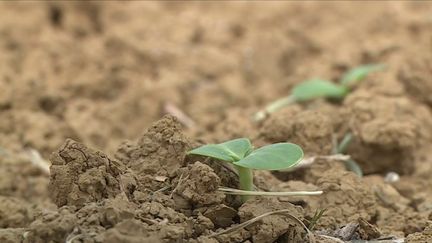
x,y
213,151
317,88
355,75
231,151
273,157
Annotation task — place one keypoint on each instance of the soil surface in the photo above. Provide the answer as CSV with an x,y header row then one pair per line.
x,y
113,94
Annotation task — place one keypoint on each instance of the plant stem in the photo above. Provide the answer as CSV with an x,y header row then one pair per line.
x,y
246,181
350,164
343,145
273,107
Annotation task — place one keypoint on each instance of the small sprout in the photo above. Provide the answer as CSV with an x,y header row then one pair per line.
x,y
273,107
343,145
318,88
350,164
353,166
355,75
314,220
242,155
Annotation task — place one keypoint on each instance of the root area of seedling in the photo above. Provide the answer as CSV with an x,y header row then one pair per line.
x,y
100,105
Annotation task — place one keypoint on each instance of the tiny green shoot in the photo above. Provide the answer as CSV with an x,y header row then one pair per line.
x,y
241,154
314,220
319,88
350,164
355,75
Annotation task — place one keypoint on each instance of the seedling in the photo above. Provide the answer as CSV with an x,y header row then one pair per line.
x,y
241,154
319,88
314,220
350,164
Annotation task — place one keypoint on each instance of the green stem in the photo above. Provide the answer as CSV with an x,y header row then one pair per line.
x,y
343,145
246,181
350,164
273,107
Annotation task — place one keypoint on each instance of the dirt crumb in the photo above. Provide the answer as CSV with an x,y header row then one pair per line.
x,y
312,130
14,213
421,237
52,226
203,239
201,186
386,131
12,235
80,175
272,227
107,213
27,183
221,215
159,211
345,199
28,128
415,75
241,235
132,231
159,152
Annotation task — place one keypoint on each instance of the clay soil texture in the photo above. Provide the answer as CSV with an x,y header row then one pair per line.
x,y
100,102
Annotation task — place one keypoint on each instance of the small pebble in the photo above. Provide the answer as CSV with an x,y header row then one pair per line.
x,y
392,177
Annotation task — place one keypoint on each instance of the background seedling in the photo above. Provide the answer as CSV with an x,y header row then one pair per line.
x,y
337,155
240,153
355,75
318,88
350,164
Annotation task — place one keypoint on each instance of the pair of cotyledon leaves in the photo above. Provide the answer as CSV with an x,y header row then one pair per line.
x,y
240,152
317,88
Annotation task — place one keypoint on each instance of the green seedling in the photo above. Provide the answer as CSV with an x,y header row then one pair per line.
x,y
314,220
241,154
350,164
319,88
355,75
